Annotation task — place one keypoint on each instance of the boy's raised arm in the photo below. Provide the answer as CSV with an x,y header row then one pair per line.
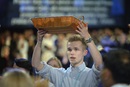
x,y
36,57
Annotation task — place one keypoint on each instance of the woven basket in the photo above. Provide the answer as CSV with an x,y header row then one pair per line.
x,y
56,25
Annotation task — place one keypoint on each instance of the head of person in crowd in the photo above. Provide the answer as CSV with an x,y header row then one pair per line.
x,y
116,68
24,64
16,78
5,52
76,50
55,62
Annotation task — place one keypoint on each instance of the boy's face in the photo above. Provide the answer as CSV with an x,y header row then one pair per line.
x,y
75,53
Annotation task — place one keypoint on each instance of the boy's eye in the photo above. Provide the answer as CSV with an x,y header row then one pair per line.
x,y
76,49
69,49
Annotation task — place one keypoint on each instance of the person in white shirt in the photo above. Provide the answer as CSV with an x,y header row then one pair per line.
x,y
77,75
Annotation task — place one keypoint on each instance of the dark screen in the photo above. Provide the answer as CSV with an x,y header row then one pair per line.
x,y
97,13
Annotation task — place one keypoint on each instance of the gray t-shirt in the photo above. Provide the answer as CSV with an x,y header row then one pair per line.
x,y
80,76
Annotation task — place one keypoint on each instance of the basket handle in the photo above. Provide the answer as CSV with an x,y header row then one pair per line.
x,y
81,18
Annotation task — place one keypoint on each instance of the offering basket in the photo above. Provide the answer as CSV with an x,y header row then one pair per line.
x,y
56,25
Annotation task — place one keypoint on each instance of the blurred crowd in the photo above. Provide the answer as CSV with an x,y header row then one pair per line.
x,y
16,50
15,45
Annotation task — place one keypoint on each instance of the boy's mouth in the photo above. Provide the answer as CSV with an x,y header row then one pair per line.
x,y
72,58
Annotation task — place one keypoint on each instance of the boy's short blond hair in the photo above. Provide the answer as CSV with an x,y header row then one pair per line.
x,y
78,38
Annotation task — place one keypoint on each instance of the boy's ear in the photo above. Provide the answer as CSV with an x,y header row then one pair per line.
x,y
85,52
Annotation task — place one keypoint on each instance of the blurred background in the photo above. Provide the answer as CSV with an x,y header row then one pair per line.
x,y
98,13
108,24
